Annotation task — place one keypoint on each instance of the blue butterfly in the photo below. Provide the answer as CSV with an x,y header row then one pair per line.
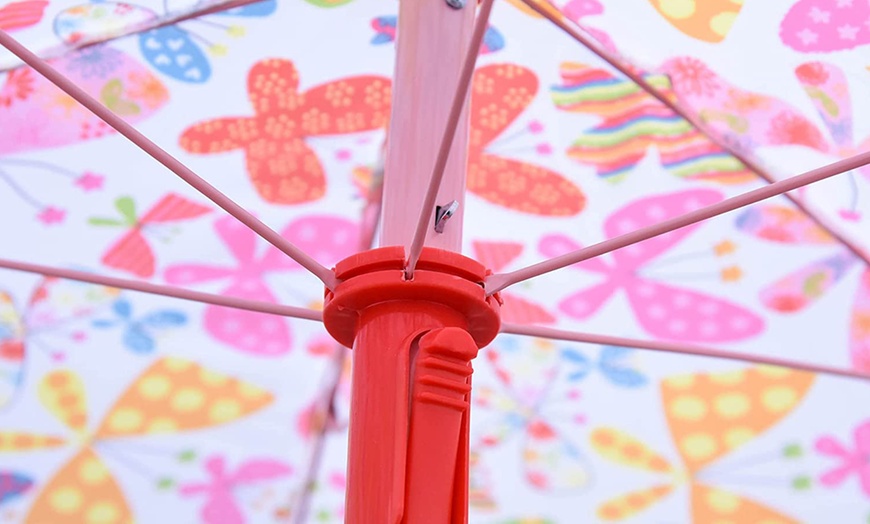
x,y
265,8
140,333
173,51
13,485
611,363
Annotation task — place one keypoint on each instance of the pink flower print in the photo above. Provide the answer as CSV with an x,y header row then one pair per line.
x,y
51,215
90,181
855,461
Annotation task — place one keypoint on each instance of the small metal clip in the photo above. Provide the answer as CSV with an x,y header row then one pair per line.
x,y
443,214
456,4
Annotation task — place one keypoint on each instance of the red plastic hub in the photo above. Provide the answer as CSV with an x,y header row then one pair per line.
x,y
413,343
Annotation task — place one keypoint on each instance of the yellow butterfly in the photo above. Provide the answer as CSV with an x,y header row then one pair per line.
x,y
172,395
709,415
707,20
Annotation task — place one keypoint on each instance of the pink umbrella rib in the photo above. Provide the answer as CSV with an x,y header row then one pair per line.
x,y
500,281
459,99
173,164
674,106
167,291
670,347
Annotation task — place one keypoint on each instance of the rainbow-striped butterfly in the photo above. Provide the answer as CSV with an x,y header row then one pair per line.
x,y
635,122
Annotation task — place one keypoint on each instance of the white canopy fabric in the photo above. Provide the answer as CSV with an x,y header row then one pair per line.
x,y
120,406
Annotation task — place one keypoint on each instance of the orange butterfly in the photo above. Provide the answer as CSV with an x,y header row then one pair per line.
x,y
709,415
500,94
172,395
282,167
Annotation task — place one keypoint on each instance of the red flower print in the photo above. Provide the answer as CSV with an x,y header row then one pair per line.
x,y
694,77
282,167
812,73
19,86
791,128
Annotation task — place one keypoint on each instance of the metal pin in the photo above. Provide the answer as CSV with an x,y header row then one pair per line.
x,y
443,214
456,4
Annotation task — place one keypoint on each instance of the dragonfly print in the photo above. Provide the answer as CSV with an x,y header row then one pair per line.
x,y
46,322
525,394
663,310
220,506
787,226
170,396
327,238
708,416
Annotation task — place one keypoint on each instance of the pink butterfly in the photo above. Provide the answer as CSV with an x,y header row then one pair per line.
x,y
38,115
752,120
813,26
132,253
798,290
663,310
221,507
496,256
327,238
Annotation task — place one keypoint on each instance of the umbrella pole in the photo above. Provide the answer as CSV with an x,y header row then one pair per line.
x,y
413,343
413,336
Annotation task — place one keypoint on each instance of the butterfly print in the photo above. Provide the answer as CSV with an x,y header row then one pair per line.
x,y
281,165
709,416
171,396
663,310
327,238
634,122
132,253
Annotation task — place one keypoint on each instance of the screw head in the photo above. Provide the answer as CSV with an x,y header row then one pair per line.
x,y
456,4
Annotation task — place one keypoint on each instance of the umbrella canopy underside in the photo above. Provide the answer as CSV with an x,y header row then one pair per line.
x,y
117,405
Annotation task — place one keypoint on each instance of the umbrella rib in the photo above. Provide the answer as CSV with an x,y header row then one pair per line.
x,y
459,98
674,106
500,281
167,291
672,347
173,164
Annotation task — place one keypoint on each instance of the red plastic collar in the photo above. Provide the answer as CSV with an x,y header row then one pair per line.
x,y
442,277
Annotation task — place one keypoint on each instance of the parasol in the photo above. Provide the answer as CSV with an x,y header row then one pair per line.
x,y
661,205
